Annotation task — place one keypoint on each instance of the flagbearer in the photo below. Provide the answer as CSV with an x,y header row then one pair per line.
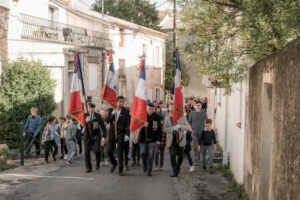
x,y
150,135
92,132
176,141
119,133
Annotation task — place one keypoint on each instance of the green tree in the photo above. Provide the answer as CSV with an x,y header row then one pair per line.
x,y
24,84
141,12
230,35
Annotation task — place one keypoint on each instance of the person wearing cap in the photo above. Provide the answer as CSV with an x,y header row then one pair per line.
x,y
119,120
92,133
150,135
176,141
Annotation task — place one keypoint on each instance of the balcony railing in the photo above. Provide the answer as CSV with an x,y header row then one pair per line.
x,y
41,29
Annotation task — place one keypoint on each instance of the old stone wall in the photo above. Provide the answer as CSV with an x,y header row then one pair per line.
x,y
4,17
273,140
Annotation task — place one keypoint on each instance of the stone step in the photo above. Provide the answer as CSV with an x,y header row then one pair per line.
x,y
218,159
218,154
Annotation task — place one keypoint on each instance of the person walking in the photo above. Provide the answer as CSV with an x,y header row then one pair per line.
x,y
32,129
196,120
119,120
92,136
71,132
48,138
149,136
160,149
176,141
207,143
135,149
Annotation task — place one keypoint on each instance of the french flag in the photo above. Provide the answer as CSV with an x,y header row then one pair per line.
x,y
109,90
139,106
178,93
77,100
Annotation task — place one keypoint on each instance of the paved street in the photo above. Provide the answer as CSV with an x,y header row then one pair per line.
x,y
42,182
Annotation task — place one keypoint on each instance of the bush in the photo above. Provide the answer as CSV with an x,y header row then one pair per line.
x,y
24,84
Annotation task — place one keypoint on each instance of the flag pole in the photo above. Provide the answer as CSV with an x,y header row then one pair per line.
x,y
85,101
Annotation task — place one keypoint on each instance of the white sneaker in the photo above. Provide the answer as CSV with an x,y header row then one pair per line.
x,y
101,164
66,156
192,168
106,162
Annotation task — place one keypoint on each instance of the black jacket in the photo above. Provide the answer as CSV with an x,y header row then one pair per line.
x,y
122,124
153,134
96,125
207,138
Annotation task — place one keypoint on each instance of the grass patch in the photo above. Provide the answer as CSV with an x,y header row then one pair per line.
x,y
233,185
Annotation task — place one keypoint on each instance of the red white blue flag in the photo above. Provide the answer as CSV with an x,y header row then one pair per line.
x,y
77,101
109,90
178,90
139,106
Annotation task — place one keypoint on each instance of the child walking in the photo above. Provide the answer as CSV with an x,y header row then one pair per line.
x,y
48,138
71,140
206,142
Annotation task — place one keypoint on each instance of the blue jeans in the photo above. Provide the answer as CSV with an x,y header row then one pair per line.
x,y
210,155
71,145
147,154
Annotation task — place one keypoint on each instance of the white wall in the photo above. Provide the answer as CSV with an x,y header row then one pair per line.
x,y
231,137
132,50
50,53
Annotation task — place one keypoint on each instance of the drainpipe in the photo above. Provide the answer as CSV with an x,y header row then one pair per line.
x,y
225,150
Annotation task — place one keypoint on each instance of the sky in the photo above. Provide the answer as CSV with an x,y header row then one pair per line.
x,y
88,3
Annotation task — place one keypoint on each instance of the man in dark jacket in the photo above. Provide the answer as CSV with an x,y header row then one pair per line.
x,y
118,133
92,133
149,135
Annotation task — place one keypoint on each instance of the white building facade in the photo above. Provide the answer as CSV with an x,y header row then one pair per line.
x,y
53,30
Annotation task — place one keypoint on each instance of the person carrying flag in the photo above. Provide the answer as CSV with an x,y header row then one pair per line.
x,y
119,120
150,135
176,141
92,133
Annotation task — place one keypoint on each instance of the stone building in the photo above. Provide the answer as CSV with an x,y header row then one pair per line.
x,y
53,30
272,149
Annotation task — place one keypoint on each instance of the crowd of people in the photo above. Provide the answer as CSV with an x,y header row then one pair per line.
x,y
107,136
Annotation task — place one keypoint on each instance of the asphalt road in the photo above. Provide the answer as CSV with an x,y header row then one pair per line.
x,y
57,181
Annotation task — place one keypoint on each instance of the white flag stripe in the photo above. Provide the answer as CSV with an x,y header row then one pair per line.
x,y
111,80
141,91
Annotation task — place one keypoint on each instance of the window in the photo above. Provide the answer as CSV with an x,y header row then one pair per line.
x,y
53,13
122,38
93,76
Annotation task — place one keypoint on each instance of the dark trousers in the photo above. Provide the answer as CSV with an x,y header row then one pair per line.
x,y
159,153
48,146
176,155
36,142
188,155
63,147
126,152
87,155
79,143
121,149
136,152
